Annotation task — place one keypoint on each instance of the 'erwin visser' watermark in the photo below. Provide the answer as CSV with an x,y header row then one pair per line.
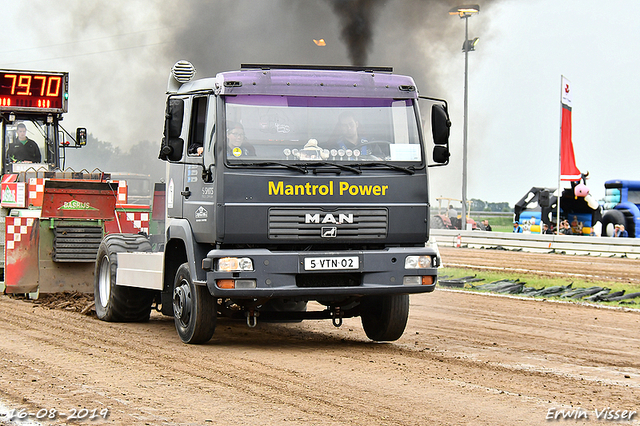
x,y
605,413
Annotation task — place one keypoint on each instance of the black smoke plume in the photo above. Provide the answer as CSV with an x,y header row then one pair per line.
x,y
357,18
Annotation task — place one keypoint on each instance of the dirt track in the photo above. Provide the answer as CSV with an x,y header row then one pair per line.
x,y
464,359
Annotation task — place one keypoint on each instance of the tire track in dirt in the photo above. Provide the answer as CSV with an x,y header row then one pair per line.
x,y
258,380
351,405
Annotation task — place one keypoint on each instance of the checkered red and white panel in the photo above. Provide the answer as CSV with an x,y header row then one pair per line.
x,y
123,194
139,220
36,191
17,230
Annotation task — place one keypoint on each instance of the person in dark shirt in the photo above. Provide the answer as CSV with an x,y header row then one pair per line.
x,y
546,229
237,145
23,149
347,136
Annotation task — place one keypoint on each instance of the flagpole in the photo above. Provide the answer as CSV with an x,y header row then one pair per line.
x,y
559,196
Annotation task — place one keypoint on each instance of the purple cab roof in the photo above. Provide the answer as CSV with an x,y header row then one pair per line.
x,y
306,82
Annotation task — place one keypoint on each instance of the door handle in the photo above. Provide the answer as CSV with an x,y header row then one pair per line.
x,y
186,193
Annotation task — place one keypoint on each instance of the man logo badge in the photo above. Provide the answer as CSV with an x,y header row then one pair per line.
x,y
329,231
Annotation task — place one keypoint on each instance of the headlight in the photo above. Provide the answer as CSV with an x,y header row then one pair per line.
x,y
418,280
234,264
417,262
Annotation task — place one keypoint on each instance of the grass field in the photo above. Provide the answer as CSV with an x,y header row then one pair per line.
x,y
542,282
498,223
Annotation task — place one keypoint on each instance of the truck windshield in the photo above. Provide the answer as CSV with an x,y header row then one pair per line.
x,y
314,129
25,142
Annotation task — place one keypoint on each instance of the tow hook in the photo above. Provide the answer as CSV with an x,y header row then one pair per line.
x,y
252,318
336,316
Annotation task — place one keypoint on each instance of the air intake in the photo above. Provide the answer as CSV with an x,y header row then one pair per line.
x,y
183,71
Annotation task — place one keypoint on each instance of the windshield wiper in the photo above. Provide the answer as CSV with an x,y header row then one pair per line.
x,y
409,170
340,166
275,163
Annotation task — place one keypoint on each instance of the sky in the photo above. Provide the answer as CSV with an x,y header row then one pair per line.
x,y
119,54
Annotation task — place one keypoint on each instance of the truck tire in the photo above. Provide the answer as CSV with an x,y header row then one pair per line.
x,y
437,222
119,303
384,318
610,219
194,309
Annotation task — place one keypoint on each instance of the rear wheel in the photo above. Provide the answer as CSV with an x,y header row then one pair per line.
x,y
384,318
114,302
194,309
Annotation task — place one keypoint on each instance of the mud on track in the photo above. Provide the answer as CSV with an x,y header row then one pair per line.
x,y
464,359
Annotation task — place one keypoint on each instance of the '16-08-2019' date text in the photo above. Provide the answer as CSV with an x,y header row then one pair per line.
x,y
53,414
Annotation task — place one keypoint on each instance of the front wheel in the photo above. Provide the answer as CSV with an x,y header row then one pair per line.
x,y
114,302
194,309
384,318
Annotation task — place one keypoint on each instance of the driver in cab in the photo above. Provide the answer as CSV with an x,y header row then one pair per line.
x,y
23,149
346,135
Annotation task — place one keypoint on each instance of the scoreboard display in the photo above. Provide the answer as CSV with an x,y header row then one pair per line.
x,y
34,91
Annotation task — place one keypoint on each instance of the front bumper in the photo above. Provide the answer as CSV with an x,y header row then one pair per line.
x,y
278,274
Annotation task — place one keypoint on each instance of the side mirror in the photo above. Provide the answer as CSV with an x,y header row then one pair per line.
x,y
171,150
440,128
441,154
81,136
172,144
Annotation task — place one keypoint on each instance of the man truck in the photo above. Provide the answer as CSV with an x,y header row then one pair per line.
x,y
285,185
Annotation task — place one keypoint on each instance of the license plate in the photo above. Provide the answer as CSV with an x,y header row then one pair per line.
x,y
331,263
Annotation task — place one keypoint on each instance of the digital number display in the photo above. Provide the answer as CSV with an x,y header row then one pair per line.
x,y
33,91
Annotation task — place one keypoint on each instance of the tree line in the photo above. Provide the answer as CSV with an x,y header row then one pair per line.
x,y
141,158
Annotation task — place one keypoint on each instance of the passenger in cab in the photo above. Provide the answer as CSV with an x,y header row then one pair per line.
x,y
237,145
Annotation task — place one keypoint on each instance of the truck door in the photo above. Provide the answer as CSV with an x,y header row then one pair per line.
x,y
197,195
175,133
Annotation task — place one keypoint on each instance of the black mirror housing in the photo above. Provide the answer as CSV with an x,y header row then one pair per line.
x,y
172,150
172,143
440,124
440,128
441,154
81,136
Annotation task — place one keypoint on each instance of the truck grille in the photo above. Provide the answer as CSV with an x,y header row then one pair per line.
x,y
76,243
326,225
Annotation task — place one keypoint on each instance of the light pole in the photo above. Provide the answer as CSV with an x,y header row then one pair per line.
x,y
469,45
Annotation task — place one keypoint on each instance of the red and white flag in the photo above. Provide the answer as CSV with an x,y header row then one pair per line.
x,y
568,169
